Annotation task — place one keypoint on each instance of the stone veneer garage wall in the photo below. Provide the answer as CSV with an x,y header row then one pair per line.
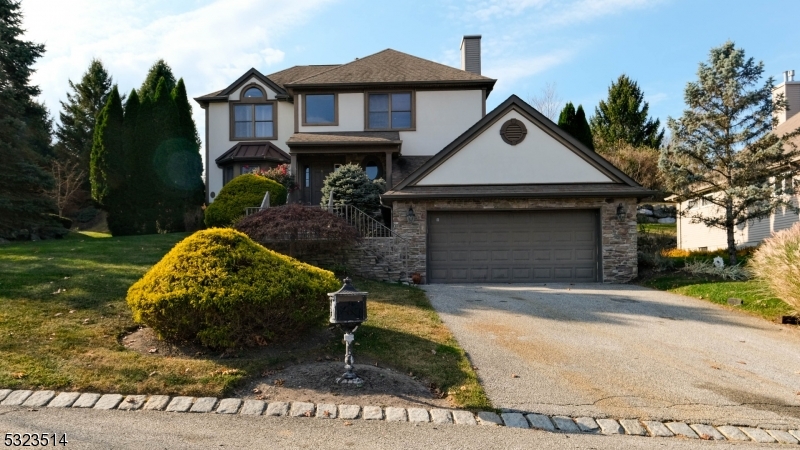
x,y
618,238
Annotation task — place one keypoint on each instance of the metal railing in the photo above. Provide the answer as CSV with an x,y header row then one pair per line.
x,y
366,225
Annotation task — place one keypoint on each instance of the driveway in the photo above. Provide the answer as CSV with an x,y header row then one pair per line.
x,y
624,352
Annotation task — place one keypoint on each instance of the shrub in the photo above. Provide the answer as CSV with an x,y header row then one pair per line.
x,y
639,163
242,192
705,267
298,223
64,221
352,186
219,288
777,262
281,175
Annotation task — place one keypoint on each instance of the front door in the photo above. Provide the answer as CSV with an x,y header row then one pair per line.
x,y
314,175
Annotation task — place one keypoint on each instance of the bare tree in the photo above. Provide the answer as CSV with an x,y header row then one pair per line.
x,y
548,102
68,179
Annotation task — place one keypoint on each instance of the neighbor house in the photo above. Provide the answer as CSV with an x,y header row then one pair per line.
x,y
504,196
696,236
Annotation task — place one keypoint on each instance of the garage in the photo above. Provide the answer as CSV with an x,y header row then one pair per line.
x,y
513,246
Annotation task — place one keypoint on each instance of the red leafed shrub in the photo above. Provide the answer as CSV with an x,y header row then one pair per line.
x,y
281,175
299,226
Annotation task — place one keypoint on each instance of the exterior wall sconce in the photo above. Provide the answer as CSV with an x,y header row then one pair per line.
x,y
410,216
620,212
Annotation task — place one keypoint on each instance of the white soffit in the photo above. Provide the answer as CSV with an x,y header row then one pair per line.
x,y
538,159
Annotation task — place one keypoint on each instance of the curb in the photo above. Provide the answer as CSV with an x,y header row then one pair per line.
x,y
555,424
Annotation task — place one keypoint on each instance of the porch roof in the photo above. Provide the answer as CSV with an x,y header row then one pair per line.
x,y
253,151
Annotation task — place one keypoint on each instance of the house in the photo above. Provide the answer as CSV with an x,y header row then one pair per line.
x,y
696,236
504,196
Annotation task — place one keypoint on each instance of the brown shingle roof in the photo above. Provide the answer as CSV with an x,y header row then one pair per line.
x,y
390,66
298,73
254,151
405,166
346,137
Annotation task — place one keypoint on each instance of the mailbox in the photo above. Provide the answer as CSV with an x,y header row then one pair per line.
x,y
348,305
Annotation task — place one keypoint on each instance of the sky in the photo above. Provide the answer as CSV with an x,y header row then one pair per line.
x,y
579,46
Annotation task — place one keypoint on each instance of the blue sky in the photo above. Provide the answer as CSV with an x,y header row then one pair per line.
x,y
580,45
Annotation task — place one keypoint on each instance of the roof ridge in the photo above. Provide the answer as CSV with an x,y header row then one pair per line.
x,y
320,73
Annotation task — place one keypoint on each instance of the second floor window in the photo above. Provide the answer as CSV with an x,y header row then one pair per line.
x,y
320,109
253,116
389,111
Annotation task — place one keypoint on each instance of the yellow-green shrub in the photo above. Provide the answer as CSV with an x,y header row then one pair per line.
x,y
220,288
242,192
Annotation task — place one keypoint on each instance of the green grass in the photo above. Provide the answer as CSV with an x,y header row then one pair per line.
x,y
755,295
660,228
49,289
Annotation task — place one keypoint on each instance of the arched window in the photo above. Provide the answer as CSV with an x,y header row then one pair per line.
x,y
253,92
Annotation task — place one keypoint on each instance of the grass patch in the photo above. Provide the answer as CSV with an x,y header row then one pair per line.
x,y
660,228
755,295
404,331
64,312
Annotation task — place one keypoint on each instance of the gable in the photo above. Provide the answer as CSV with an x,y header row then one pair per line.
x,y
540,158
236,93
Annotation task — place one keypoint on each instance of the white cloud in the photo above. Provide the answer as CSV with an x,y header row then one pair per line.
x,y
553,12
207,42
509,71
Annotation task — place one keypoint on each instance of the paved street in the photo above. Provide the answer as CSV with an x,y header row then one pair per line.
x,y
93,429
624,352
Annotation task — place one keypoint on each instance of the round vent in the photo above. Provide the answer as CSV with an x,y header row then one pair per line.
x,y
513,132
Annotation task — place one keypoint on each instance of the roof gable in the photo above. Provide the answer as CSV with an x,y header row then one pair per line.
x,y
390,66
252,73
547,155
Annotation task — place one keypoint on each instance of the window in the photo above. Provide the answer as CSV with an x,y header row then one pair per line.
x,y
227,175
253,116
319,109
372,167
389,111
249,168
308,176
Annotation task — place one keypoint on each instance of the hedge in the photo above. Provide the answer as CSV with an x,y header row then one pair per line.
x,y
240,193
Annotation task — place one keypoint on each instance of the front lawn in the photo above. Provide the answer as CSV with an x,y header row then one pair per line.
x,y
755,295
64,314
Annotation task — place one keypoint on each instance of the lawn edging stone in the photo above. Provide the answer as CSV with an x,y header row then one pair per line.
x,y
581,425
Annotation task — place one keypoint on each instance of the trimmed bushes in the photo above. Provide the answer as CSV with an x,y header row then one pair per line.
x,y
221,289
777,262
352,187
242,192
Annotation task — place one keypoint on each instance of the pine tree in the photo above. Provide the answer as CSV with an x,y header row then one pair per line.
x,y
192,176
78,117
25,131
623,117
574,123
160,69
107,148
722,148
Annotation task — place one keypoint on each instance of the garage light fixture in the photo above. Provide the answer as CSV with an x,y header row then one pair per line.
x,y
620,212
410,216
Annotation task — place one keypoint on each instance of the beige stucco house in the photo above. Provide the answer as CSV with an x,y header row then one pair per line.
x,y
696,236
503,196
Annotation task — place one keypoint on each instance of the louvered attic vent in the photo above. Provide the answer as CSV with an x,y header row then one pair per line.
x,y
513,132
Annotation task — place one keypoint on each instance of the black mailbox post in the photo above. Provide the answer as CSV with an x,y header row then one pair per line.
x,y
348,310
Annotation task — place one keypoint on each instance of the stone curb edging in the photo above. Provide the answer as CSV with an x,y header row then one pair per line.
x,y
562,424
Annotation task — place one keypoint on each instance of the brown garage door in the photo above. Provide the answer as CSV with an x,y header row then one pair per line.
x,y
512,246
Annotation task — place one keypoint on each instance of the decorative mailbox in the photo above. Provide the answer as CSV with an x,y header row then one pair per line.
x,y
348,305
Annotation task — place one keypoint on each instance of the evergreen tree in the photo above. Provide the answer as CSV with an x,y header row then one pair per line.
x,y
25,130
107,150
623,117
574,123
192,175
722,148
75,133
160,69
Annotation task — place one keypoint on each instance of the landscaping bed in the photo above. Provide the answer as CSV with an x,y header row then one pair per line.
x,y
65,326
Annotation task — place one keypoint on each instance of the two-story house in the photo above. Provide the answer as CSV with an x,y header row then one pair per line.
x,y
504,196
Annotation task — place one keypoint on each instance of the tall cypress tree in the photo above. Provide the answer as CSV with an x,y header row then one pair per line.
x,y
574,123
160,69
106,152
24,130
75,133
192,177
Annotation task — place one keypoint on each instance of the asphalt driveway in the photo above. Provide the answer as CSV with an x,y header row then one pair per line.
x,y
624,352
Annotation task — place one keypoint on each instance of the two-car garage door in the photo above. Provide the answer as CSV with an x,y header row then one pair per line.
x,y
513,246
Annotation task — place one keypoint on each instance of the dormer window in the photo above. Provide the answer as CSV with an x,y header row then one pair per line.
x,y
390,111
253,116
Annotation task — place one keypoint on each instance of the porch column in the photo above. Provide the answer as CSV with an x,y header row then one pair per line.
x,y
388,170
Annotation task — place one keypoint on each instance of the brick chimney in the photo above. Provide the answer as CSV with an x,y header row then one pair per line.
x,y
471,53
